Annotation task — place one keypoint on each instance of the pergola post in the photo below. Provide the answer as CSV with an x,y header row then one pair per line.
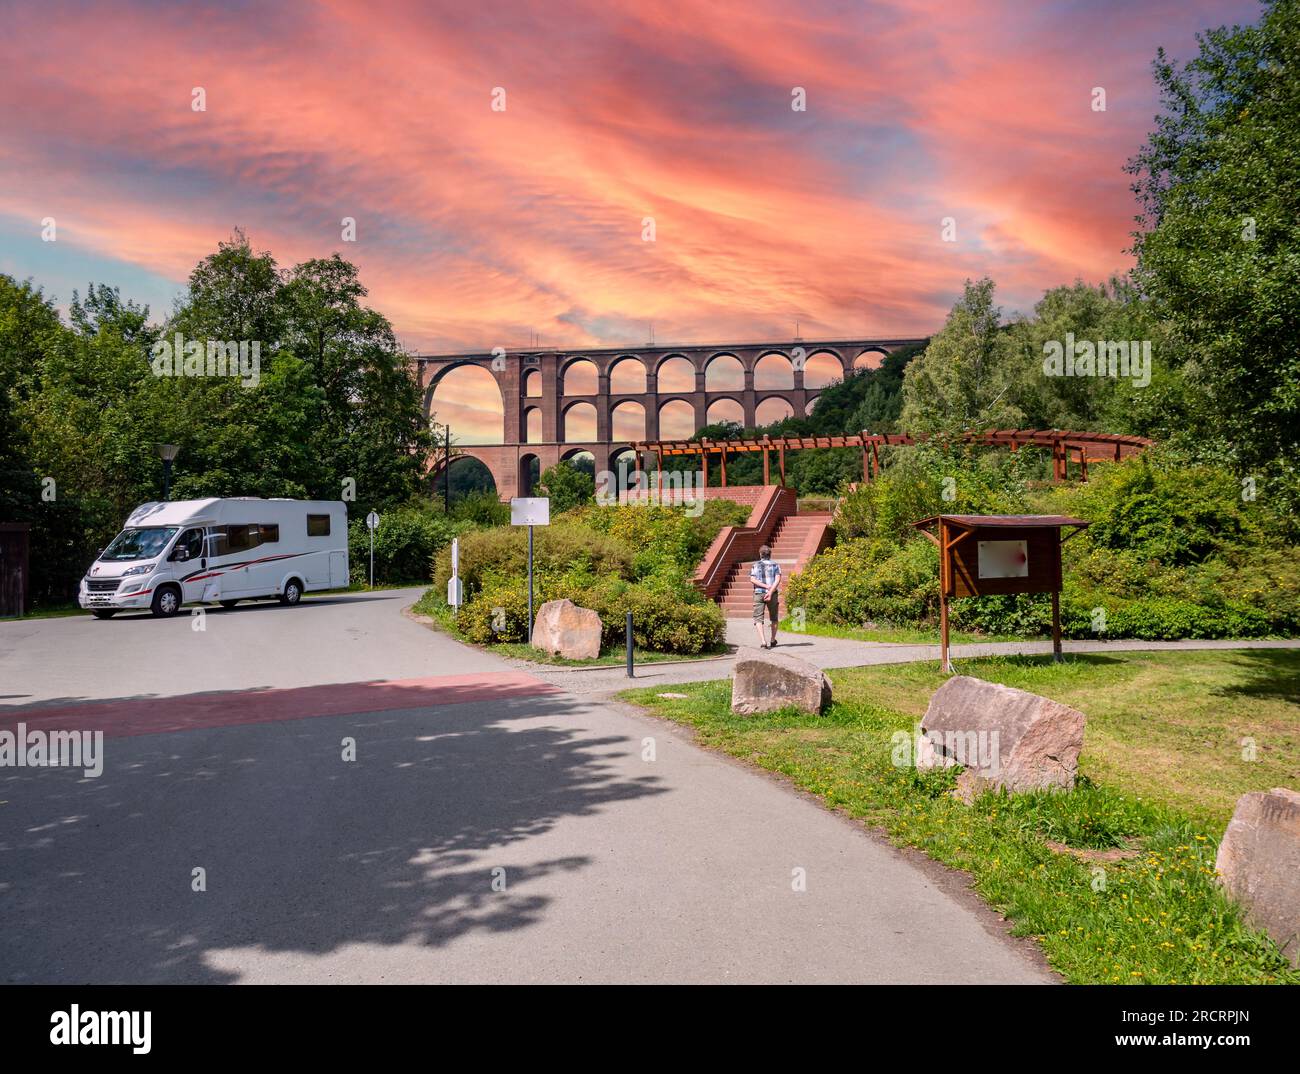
x,y
767,476
704,463
723,457
781,457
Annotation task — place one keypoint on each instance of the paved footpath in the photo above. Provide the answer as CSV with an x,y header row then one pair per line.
x,y
840,653
494,825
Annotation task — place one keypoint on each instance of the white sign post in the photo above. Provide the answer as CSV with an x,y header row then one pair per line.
x,y
372,524
455,591
530,511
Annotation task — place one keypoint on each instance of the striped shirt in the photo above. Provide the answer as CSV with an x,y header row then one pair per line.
x,y
765,573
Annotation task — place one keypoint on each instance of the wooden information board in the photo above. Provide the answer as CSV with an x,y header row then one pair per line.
x,y
987,555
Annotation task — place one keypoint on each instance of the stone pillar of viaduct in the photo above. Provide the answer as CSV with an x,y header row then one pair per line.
x,y
509,461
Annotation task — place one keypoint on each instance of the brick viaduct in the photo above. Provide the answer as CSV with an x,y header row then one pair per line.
x,y
533,380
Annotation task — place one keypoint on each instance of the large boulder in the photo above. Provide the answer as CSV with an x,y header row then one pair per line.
x,y
764,681
564,629
1259,864
1004,737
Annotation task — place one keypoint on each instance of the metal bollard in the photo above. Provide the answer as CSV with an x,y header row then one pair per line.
x,y
629,645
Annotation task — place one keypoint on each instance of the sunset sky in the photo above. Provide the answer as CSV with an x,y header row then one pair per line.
x,y
478,228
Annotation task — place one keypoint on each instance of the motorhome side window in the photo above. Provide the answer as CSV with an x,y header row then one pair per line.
x,y
227,540
190,546
318,525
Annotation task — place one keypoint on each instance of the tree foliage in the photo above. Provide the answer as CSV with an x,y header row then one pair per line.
x,y
1218,256
82,406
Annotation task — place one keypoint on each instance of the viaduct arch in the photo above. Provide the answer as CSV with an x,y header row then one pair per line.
x,y
519,374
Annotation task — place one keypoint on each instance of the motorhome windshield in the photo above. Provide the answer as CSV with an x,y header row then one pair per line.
x,y
143,543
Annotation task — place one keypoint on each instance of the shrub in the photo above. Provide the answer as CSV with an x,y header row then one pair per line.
x,y
499,612
860,581
405,542
659,625
501,554
567,486
481,508
914,486
1164,510
668,542
1025,614
1172,552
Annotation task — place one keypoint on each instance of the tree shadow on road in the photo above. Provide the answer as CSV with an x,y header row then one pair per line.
x,y
304,852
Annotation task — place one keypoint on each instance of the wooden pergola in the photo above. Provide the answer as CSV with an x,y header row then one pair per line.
x,y
1085,446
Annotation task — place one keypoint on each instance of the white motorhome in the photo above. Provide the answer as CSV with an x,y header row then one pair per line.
x,y
221,551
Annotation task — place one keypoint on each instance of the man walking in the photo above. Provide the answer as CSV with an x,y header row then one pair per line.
x,y
766,576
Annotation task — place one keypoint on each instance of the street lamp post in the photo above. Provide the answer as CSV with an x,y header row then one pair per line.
x,y
168,453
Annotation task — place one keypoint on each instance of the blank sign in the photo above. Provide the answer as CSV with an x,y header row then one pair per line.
x,y
1003,559
530,511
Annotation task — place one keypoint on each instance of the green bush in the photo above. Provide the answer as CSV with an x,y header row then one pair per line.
x,y
481,508
704,527
405,542
1173,551
685,626
1026,614
567,487
668,543
870,581
924,481
501,554
499,612
1172,513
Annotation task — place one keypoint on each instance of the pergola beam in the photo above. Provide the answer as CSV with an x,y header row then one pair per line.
x,y
1060,442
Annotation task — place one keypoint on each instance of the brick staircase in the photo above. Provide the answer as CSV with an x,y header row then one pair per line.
x,y
798,538
795,537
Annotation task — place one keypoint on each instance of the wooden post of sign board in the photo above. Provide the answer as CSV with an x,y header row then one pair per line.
x,y
945,664
1056,627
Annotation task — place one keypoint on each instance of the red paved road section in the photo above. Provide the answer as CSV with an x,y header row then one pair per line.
x,y
160,715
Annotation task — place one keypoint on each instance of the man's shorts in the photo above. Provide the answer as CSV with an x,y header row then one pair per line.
x,y
765,608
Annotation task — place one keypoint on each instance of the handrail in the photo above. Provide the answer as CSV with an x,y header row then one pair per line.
x,y
773,504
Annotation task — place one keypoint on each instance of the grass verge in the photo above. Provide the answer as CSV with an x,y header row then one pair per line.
x,y
896,635
1127,895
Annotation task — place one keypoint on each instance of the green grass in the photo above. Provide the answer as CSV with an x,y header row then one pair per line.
x,y
432,606
897,635
1161,768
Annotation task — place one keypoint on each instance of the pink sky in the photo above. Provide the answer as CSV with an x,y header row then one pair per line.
x,y
478,228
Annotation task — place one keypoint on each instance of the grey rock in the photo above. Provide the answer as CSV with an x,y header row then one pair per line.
x,y
764,681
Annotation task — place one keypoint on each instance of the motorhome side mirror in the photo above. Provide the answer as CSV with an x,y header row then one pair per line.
x,y
182,554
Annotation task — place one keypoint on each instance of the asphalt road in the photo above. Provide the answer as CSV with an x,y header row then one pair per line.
x,y
492,827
